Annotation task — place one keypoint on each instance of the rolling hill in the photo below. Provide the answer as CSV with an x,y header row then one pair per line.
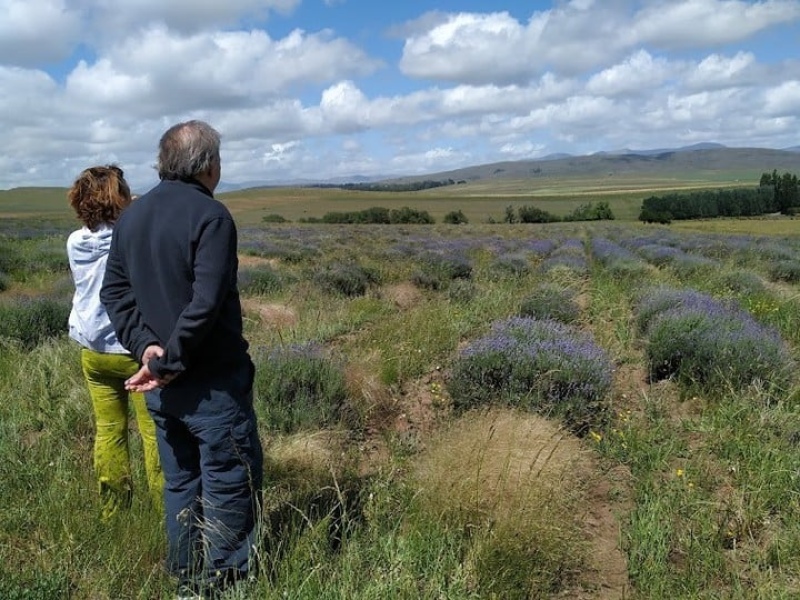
x,y
698,160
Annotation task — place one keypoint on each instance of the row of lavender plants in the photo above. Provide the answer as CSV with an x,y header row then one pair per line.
x,y
778,258
661,246
25,259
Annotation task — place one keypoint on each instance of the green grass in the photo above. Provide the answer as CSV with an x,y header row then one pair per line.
x,y
753,226
479,201
404,499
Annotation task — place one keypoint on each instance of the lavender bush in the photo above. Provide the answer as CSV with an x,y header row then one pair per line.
x,y
659,300
510,265
449,266
709,343
608,252
785,270
436,270
620,262
549,301
570,262
298,388
23,258
259,280
632,272
691,264
741,282
30,321
462,291
660,255
538,248
348,279
539,364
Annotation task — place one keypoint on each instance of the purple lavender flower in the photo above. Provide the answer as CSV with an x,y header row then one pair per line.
x,y
708,342
542,364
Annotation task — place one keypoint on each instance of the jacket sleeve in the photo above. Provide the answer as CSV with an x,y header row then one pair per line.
x,y
215,267
117,296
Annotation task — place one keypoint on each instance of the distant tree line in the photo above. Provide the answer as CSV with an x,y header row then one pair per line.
x,y
774,194
600,211
412,186
375,215
785,189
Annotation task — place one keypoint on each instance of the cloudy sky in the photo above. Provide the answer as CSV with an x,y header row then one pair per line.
x,y
319,89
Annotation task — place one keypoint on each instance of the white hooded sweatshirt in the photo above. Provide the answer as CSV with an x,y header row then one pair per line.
x,y
89,324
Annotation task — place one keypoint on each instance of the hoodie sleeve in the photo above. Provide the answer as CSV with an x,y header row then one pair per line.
x,y
120,302
215,267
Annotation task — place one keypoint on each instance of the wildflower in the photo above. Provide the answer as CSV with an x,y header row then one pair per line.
x,y
679,472
596,436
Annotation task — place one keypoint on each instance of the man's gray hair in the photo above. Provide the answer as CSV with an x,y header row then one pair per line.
x,y
187,150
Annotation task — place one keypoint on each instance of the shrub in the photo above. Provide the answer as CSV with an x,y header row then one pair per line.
x,y
32,320
741,282
456,217
541,365
462,291
408,215
591,212
690,264
707,343
514,265
608,252
532,214
660,255
274,218
427,281
348,279
41,255
538,248
259,281
785,270
4,282
655,216
633,271
550,302
568,262
569,256
662,299
298,388
9,255
445,267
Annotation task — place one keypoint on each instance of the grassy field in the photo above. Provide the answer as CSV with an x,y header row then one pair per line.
x,y
777,226
620,449
479,201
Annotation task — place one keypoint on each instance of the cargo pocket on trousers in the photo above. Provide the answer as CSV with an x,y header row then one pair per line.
x,y
231,453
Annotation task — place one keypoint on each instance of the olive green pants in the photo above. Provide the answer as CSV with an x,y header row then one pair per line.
x,y
105,375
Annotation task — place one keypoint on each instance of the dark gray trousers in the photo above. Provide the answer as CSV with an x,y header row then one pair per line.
x,y
213,469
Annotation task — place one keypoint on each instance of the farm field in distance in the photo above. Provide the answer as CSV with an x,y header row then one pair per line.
x,y
480,201
589,410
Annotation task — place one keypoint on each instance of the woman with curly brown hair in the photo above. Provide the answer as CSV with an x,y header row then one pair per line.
x,y
98,197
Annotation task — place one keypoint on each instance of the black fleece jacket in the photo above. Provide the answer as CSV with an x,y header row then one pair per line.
x,y
171,280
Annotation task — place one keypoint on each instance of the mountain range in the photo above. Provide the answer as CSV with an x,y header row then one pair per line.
x,y
676,162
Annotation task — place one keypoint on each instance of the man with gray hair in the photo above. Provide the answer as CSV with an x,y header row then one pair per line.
x,y
171,292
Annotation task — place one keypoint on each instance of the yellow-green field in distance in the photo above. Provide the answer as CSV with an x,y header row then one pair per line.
x,y
481,201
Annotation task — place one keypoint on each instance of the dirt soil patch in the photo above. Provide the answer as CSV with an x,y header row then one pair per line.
x,y
524,443
403,295
278,316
